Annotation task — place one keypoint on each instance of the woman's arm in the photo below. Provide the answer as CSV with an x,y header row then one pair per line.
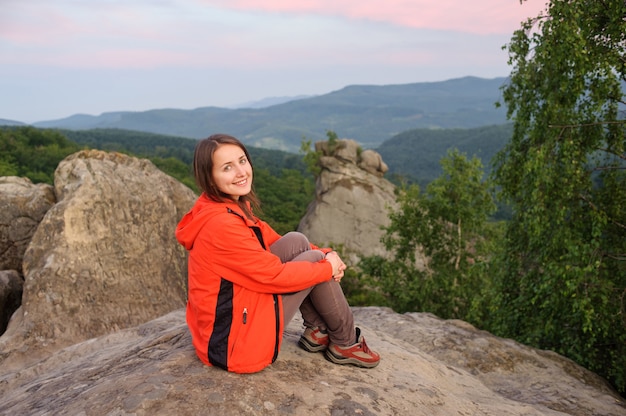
x,y
233,251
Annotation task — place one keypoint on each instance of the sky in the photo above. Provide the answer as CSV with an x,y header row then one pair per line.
x,y
64,57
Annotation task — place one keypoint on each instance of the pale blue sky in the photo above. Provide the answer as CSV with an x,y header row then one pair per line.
x,y
63,57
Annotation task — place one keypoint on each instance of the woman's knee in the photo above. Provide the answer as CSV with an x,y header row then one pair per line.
x,y
290,245
296,237
311,255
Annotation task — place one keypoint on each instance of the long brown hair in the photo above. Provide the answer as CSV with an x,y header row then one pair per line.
x,y
203,171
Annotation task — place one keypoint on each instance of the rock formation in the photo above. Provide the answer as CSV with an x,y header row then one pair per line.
x,y
352,200
103,258
22,206
102,330
429,367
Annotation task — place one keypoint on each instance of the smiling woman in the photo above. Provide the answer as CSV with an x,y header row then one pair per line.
x,y
246,282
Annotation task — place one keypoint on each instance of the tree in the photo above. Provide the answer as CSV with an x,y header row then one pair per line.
x,y
447,225
311,157
32,153
563,280
7,167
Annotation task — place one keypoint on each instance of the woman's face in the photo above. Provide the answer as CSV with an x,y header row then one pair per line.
x,y
232,171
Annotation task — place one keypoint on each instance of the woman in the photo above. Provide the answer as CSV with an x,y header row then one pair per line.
x,y
246,282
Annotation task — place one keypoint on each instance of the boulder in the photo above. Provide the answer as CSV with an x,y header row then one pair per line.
x,y
372,162
22,206
103,258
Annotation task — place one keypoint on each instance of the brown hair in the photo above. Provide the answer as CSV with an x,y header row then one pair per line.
x,y
203,171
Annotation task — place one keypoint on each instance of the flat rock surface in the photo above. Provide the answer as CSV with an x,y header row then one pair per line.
x,y
152,369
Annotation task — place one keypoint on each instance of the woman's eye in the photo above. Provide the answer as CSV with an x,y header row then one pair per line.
x,y
243,161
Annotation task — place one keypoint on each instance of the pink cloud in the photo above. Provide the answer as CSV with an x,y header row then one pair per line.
x,y
479,16
48,24
146,34
44,26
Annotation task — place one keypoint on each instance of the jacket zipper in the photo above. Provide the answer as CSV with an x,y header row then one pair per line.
x,y
245,315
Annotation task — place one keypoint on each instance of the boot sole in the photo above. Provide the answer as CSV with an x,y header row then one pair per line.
x,y
348,360
306,345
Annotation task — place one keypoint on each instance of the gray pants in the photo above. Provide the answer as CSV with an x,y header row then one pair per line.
x,y
323,305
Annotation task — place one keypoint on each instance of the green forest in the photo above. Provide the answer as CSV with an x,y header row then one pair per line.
x,y
413,156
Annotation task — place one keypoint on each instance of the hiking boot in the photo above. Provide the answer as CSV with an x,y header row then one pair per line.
x,y
314,339
357,354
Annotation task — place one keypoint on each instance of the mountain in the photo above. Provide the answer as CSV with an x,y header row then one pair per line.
x,y
269,101
5,122
366,113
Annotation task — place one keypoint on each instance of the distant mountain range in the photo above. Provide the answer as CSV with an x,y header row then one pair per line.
x,y
368,114
5,122
269,101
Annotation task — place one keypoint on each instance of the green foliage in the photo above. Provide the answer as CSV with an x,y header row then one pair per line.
x,y
32,153
562,283
415,153
332,141
285,197
140,144
311,157
177,169
448,224
362,290
7,167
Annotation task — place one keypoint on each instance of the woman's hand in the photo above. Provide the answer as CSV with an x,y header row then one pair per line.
x,y
338,265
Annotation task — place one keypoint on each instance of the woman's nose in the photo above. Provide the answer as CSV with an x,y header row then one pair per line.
x,y
239,170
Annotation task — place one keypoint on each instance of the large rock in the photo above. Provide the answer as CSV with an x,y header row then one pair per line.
x,y
352,200
22,206
429,367
103,258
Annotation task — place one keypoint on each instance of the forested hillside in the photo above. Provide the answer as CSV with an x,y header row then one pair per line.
x,y
281,179
412,156
369,114
415,155
152,145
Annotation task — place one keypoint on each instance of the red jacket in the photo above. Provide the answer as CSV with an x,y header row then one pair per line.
x,y
234,313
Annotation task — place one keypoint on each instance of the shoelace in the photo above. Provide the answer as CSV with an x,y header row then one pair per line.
x,y
364,346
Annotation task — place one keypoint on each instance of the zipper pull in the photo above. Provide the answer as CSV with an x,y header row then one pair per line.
x,y
245,315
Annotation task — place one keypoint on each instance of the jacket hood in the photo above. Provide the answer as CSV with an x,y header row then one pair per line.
x,y
193,221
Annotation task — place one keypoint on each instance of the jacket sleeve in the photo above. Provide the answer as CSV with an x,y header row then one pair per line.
x,y
235,254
